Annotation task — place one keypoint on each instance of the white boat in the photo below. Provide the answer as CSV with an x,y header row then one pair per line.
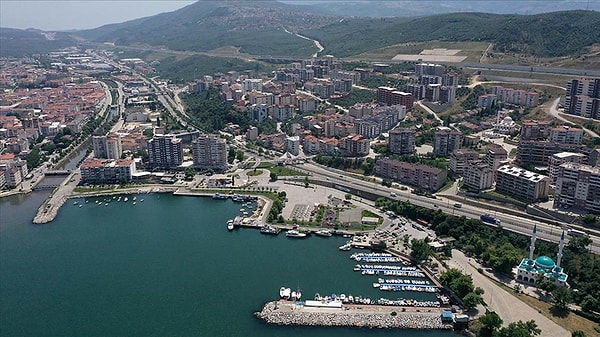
x,y
292,233
230,225
346,247
134,202
80,206
142,200
125,199
285,293
76,202
133,199
268,229
323,232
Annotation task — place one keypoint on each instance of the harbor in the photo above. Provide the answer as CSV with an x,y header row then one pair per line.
x,y
351,315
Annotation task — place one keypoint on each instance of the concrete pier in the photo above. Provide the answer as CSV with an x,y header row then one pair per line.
x,y
367,316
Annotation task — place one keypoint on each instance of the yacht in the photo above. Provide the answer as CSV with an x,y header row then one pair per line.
x,y
292,233
230,225
346,247
126,199
323,232
268,229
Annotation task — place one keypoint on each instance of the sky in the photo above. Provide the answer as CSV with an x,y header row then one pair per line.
x,y
79,14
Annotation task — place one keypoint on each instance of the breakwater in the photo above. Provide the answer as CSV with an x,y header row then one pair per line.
x,y
364,316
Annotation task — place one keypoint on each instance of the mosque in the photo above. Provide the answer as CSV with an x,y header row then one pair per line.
x,y
529,269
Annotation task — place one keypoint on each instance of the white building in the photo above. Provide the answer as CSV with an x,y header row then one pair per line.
x,y
292,145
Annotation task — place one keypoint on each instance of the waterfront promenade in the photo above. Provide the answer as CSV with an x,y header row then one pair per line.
x,y
364,316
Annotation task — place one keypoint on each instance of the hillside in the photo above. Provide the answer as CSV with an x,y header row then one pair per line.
x,y
256,27
18,42
550,34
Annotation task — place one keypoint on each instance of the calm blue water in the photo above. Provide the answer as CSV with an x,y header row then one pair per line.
x,y
163,267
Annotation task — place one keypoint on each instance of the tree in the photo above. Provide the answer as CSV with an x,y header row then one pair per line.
x,y
578,333
545,283
471,300
561,297
231,155
158,121
239,155
420,250
590,303
490,323
348,196
519,329
273,176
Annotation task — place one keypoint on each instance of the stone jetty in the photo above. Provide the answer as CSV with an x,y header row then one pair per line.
x,y
367,316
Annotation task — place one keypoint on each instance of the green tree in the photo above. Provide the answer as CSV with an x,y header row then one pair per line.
x,y
158,121
578,333
273,176
545,283
420,249
471,300
589,303
231,155
561,297
490,323
348,196
519,329
239,155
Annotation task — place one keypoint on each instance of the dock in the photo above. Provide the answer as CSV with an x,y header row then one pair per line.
x,y
364,316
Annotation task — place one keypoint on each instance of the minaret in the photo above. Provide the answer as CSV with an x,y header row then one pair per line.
x,y
532,245
561,245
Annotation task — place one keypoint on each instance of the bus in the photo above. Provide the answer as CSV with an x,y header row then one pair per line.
x,y
576,233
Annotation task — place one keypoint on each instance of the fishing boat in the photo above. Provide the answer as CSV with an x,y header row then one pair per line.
x,y
323,232
292,233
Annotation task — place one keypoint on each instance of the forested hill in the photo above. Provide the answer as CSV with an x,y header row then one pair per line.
x,y
19,42
549,34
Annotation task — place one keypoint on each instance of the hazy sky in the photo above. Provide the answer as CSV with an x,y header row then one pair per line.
x,y
79,14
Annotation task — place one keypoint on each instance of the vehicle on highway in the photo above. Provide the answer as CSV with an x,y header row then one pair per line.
x,y
457,205
490,219
577,233
393,194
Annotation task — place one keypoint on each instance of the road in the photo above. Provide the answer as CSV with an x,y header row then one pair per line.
x,y
553,110
426,108
519,224
508,307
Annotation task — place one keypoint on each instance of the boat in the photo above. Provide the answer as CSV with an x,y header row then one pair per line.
x,y
142,200
292,233
323,232
76,202
268,229
285,293
133,199
125,199
80,206
218,196
346,247
134,202
230,225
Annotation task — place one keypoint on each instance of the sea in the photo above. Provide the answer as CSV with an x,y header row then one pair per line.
x,y
164,266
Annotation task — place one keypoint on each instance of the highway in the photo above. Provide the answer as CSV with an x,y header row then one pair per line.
x,y
518,224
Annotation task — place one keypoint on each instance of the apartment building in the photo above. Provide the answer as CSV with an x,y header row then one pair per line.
x,y
495,156
558,159
165,151
392,96
107,171
517,97
459,161
566,135
429,69
578,186
535,130
538,152
583,98
355,145
210,152
478,176
292,145
109,146
420,176
402,141
446,141
521,184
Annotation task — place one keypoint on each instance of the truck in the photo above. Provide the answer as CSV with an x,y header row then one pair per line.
x,y
576,233
489,219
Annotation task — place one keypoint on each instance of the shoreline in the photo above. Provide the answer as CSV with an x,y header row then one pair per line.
x,y
361,316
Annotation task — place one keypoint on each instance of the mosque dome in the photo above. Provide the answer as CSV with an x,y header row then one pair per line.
x,y
544,262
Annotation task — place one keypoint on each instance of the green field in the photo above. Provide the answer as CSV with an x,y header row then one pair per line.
x,y
473,50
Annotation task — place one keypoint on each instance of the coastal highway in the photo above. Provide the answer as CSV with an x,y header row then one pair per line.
x,y
519,224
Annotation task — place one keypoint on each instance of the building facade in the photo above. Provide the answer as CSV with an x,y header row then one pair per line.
x,y
165,151
402,141
459,160
521,184
478,176
107,171
578,186
210,152
446,141
424,177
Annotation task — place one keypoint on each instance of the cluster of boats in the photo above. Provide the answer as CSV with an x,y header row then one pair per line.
x,y
107,201
234,223
375,258
293,233
343,299
405,287
290,295
234,197
360,267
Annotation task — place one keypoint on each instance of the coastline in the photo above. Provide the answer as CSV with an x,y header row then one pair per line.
x,y
362,316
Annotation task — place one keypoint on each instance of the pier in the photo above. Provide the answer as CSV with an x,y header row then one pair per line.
x,y
364,316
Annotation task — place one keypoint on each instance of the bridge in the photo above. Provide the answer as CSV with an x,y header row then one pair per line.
x,y
44,187
58,173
